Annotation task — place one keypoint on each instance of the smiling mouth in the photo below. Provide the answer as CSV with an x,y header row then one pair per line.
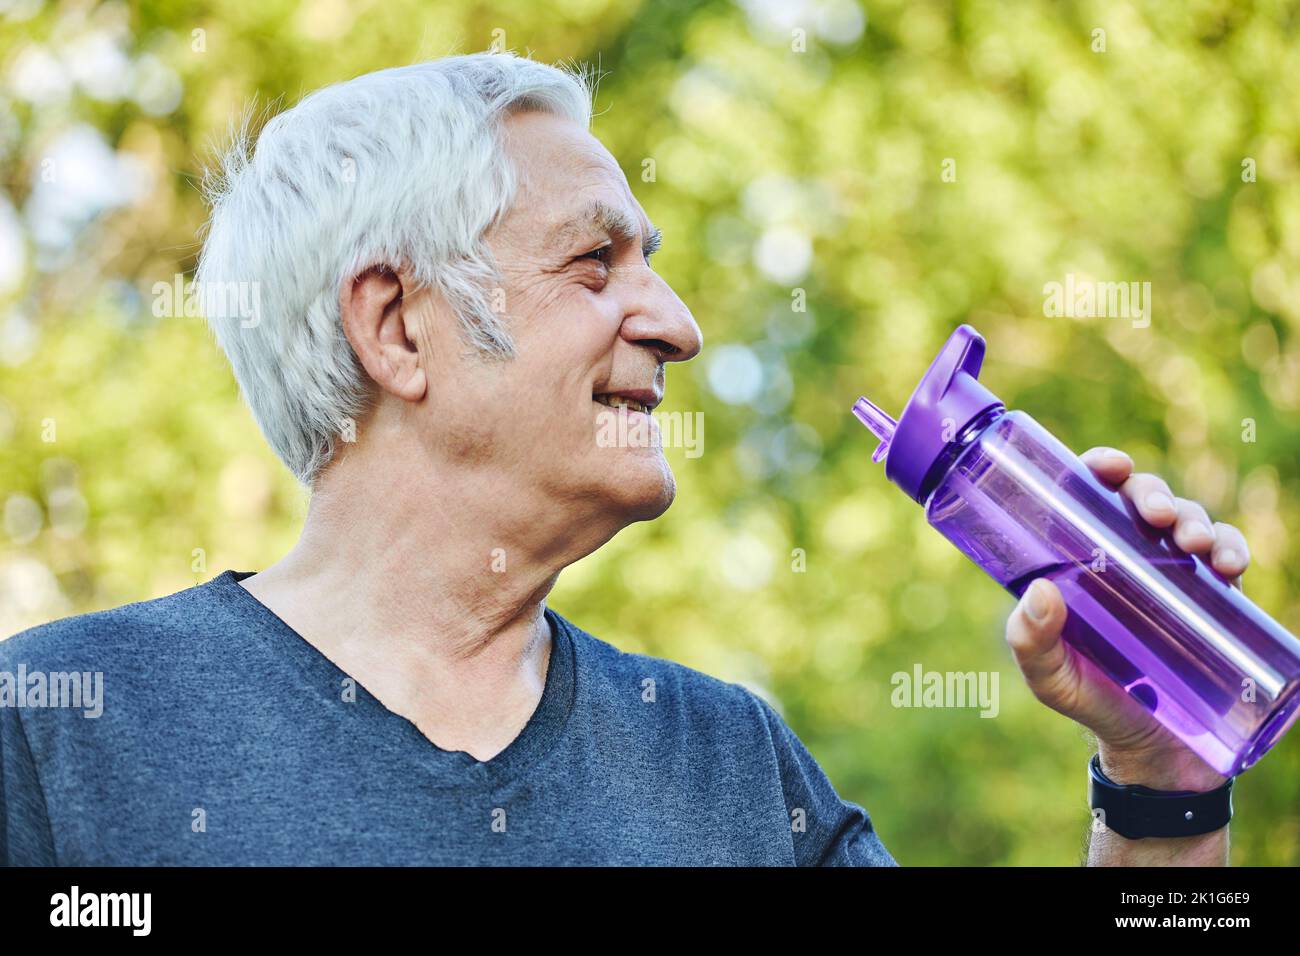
x,y
619,401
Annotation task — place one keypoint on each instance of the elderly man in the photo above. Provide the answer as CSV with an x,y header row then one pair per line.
x,y
455,290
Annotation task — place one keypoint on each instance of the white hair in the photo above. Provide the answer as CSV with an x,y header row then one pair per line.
x,y
402,167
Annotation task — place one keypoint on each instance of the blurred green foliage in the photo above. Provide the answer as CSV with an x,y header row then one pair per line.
x,y
794,146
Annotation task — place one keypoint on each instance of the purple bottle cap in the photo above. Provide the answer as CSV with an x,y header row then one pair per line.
x,y
948,398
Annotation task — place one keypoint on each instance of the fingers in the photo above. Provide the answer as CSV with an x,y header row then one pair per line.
x,y
1193,531
1109,464
1034,633
1154,501
1221,543
1230,555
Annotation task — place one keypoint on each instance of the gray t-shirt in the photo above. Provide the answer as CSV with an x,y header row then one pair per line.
x,y
226,738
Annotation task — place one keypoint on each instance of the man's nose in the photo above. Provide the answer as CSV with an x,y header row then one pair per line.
x,y
661,321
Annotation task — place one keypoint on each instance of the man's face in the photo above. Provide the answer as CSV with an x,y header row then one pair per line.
x,y
593,326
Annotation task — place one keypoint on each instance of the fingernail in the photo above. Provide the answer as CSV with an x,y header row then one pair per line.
x,y
1036,602
1114,453
1229,557
1197,529
1159,501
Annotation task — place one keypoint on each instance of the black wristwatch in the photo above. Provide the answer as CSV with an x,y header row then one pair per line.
x,y
1136,812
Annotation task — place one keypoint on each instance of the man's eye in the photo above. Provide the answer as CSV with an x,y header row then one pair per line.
x,y
601,255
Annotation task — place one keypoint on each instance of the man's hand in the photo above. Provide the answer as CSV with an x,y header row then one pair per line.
x,y
1133,746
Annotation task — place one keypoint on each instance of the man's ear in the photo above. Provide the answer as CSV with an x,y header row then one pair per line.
x,y
375,318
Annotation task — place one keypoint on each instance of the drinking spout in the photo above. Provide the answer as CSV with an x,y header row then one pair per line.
x,y
880,424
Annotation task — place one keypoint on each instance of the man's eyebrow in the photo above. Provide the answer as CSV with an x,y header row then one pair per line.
x,y
652,242
617,222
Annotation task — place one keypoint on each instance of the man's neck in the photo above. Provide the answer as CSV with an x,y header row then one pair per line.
x,y
437,610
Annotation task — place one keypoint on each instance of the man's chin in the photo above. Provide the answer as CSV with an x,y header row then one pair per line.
x,y
643,492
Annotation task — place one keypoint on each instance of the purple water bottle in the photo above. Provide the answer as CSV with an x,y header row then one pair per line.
x,y
1212,667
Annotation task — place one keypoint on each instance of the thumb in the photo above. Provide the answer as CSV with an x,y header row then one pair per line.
x,y
1065,680
1034,633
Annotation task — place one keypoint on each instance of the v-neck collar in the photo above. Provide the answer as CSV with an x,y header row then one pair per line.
x,y
451,768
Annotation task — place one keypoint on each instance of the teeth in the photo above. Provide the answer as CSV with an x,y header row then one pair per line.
x,y
618,401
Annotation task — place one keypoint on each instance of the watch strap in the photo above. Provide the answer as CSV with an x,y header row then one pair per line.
x,y
1136,812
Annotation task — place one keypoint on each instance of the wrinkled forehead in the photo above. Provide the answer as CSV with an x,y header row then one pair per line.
x,y
567,177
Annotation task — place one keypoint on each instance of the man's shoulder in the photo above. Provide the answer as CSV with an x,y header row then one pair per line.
x,y
642,678
126,629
